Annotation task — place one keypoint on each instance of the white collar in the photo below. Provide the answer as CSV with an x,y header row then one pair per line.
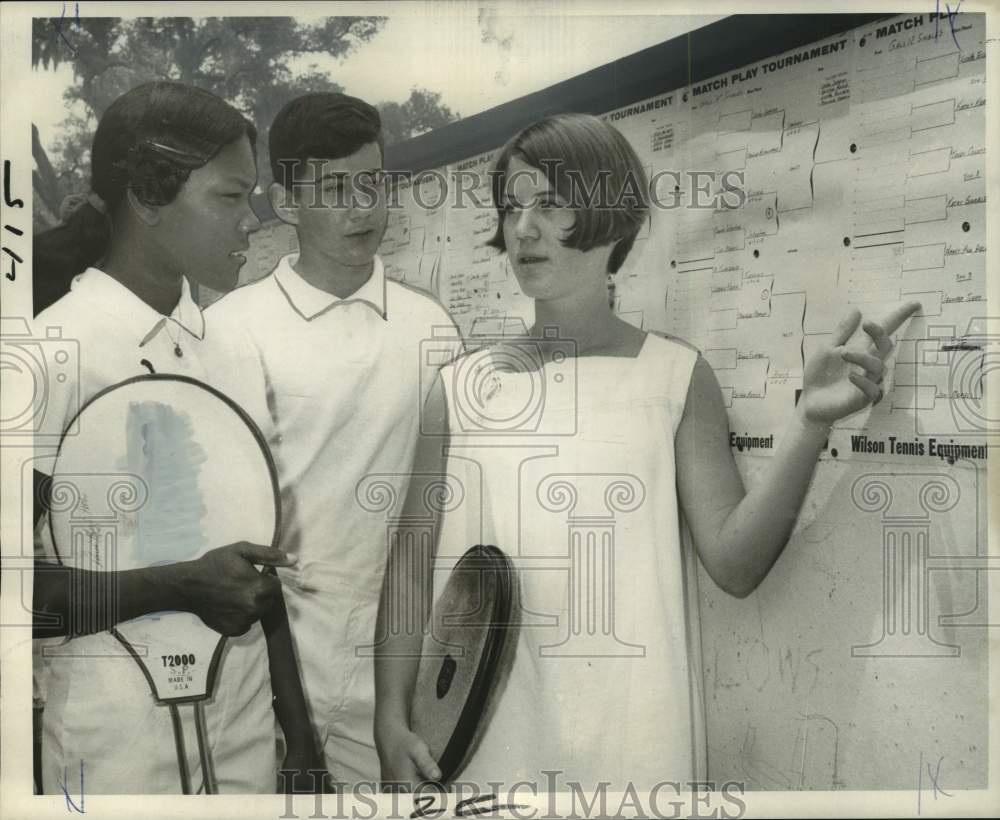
x,y
114,298
309,301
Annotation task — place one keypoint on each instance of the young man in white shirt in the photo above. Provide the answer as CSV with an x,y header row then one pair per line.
x,y
341,351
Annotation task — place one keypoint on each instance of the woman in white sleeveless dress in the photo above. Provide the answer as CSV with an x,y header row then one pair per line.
x,y
598,446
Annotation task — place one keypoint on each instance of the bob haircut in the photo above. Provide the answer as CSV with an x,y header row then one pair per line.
x,y
593,168
148,141
322,125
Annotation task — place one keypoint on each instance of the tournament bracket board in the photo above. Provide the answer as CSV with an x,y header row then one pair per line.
x,y
863,163
163,469
415,238
863,166
863,158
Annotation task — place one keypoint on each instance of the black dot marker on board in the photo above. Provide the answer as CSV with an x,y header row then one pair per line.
x,y
966,227
847,241
673,263
862,43
756,253
854,147
833,452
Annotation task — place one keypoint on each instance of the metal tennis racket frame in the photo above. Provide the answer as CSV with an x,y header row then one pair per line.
x,y
197,701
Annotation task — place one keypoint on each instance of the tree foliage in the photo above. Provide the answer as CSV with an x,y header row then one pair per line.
x,y
253,62
421,113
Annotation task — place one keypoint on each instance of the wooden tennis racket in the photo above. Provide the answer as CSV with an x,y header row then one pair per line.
x,y
475,619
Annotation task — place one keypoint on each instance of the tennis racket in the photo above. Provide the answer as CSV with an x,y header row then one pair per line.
x,y
475,619
164,468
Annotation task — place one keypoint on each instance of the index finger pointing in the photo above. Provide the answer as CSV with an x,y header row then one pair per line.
x,y
891,323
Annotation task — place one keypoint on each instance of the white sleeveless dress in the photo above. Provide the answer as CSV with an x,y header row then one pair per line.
x,y
576,465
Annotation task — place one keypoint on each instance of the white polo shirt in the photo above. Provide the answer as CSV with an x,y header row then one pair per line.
x,y
101,334
346,380
98,705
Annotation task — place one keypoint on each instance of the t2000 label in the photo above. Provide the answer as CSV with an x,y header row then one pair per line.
x,y
178,660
